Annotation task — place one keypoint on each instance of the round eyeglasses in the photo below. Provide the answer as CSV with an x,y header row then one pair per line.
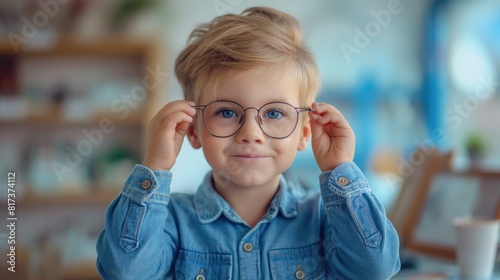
x,y
224,118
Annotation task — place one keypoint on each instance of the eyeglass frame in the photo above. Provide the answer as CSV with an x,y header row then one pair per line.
x,y
243,119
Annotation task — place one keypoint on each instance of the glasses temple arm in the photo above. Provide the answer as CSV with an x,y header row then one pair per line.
x,y
304,109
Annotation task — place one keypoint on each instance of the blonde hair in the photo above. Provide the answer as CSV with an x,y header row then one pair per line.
x,y
231,43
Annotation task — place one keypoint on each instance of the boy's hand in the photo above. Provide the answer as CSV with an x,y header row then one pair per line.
x,y
166,133
333,140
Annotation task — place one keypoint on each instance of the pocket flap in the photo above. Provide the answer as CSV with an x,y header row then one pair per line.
x,y
191,265
298,263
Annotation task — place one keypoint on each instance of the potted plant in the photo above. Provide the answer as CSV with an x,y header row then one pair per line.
x,y
476,148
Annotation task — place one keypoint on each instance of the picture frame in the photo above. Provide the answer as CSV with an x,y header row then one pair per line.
x,y
451,194
411,198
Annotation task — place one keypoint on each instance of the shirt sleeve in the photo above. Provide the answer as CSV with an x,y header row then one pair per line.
x,y
359,240
134,243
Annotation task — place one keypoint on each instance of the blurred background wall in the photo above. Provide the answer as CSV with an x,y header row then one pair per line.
x,y
80,80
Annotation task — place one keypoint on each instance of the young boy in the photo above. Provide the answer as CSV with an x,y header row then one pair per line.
x,y
248,80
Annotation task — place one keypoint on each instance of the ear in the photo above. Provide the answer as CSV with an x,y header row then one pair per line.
x,y
305,134
193,136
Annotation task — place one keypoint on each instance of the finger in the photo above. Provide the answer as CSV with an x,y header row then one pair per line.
x,y
329,121
185,112
326,113
172,121
320,108
316,127
174,106
181,130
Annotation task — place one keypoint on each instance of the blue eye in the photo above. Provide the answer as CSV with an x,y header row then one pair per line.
x,y
227,113
273,114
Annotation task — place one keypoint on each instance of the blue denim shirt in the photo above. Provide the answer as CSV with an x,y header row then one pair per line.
x,y
340,233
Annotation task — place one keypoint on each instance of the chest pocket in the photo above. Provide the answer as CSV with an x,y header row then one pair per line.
x,y
200,266
305,263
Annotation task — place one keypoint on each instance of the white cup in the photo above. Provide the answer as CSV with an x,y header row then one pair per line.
x,y
477,242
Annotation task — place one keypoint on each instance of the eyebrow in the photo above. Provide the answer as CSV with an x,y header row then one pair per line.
x,y
261,104
306,108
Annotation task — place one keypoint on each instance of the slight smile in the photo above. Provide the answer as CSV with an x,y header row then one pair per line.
x,y
249,156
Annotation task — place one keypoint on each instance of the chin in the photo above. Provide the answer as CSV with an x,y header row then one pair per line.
x,y
245,179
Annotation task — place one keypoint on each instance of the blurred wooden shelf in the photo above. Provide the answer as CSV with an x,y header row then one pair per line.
x,y
138,58
84,271
48,120
53,116
112,45
483,173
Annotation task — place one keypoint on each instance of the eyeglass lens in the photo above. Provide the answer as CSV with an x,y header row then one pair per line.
x,y
223,118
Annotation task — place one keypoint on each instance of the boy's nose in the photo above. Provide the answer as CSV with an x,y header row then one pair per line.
x,y
250,130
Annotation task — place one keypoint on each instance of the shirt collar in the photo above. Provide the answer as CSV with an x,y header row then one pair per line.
x,y
210,205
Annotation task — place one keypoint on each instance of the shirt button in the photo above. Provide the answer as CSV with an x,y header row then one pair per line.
x,y
146,184
343,181
200,275
248,247
299,274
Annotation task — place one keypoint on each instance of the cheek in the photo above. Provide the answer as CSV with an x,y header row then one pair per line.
x,y
212,147
287,155
287,147
211,155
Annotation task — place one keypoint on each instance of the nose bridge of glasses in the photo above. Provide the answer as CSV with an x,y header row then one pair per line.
x,y
248,108
258,117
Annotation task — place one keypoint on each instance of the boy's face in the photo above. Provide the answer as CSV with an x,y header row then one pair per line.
x,y
250,157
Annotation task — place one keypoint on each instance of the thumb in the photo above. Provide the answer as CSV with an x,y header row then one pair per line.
x,y
316,127
181,130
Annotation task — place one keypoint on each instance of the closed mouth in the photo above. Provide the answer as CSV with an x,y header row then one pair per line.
x,y
249,156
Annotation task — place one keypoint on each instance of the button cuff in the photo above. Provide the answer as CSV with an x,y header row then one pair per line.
x,y
343,181
146,184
